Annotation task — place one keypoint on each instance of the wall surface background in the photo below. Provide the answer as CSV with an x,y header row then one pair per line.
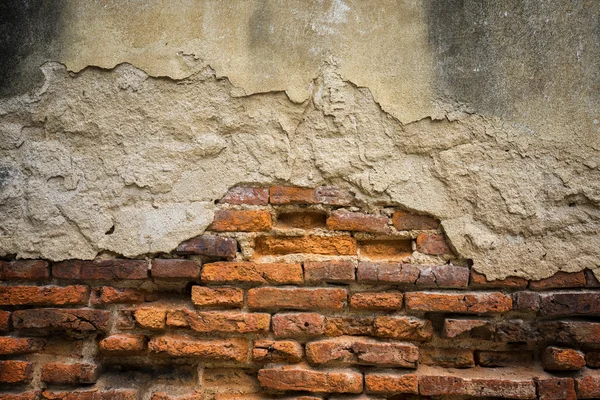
x,y
122,121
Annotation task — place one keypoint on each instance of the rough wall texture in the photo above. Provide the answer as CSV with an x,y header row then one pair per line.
x,y
296,293
484,114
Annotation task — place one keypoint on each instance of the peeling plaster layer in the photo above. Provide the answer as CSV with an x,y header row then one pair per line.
x,y
119,161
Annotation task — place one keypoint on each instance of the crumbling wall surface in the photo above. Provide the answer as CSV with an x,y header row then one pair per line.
x,y
499,140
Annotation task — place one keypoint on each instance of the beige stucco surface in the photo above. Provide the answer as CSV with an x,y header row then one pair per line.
x,y
453,110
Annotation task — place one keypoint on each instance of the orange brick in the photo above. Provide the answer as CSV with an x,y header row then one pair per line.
x,y
385,249
588,387
151,317
405,221
255,196
43,295
166,396
69,374
376,301
561,359
203,296
474,303
281,245
362,351
277,351
123,343
301,220
248,272
51,319
432,243
512,282
26,270
220,321
403,328
111,295
94,394
13,372
241,221
448,358
550,388
4,321
391,382
297,298
292,195
453,385
18,345
342,220
355,326
298,325
31,395
234,349
301,379
560,280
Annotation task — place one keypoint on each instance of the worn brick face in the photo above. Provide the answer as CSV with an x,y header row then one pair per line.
x,y
241,221
358,222
391,383
425,276
474,303
69,374
334,271
449,358
281,245
588,387
405,221
297,298
20,345
254,196
567,304
376,301
101,269
225,297
403,328
478,387
479,281
175,269
111,295
219,321
43,295
277,351
209,245
77,320
233,349
4,321
123,343
94,394
556,388
298,325
362,351
433,243
252,273
562,359
560,280
14,372
299,379
26,270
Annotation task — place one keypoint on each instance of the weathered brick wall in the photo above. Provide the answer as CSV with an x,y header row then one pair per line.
x,y
296,293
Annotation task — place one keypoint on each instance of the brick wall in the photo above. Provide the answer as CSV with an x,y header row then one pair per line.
x,y
296,293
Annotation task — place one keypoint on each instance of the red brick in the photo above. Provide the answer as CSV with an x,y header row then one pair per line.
x,y
433,243
300,379
301,220
95,394
403,328
166,396
234,349
405,221
254,196
479,281
448,358
31,395
592,359
4,321
556,389
503,358
478,387
376,301
241,221
355,326
175,269
385,249
13,372
560,280
209,245
476,303
588,387
457,327
335,271
561,359
362,351
203,296
425,276
333,196
233,380
151,317
69,374
292,195
298,325
297,298
252,273
18,345
111,295
26,270
591,280
526,301
281,245
220,321
43,295
569,304
123,343
277,351
101,269
77,320
391,382
342,220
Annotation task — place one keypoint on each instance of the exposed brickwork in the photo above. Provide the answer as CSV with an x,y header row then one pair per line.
x,y
325,301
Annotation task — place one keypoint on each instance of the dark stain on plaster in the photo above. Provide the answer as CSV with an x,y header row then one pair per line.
x,y
29,36
497,54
